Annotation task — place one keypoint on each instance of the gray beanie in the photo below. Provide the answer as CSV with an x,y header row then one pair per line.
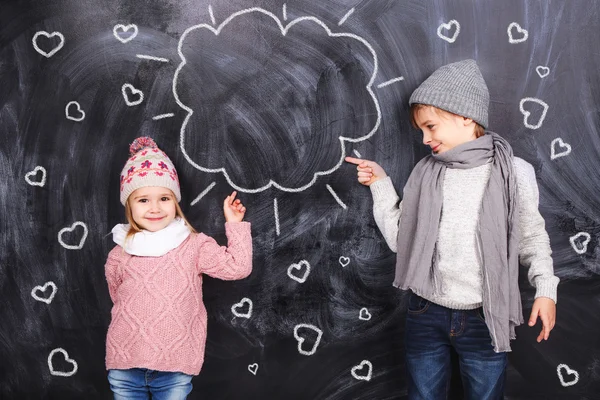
x,y
458,88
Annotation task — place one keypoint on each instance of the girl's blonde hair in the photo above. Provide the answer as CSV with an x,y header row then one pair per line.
x,y
134,227
415,108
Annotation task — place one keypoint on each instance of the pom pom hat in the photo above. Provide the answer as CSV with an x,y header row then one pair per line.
x,y
148,166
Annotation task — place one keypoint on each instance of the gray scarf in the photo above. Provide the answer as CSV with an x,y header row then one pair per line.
x,y
497,236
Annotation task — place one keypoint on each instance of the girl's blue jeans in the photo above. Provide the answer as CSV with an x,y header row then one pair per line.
x,y
431,333
141,383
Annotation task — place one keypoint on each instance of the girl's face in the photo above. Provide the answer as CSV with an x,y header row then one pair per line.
x,y
153,207
442,130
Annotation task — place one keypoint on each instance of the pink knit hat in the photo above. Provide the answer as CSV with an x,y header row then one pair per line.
x,y
148,166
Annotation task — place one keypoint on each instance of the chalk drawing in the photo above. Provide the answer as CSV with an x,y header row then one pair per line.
x,y
48,35
74,113
336,197
345,17
130,93
542,71
71,229
526,113
253,368
47,299
204,192
519,35
30,174
448,26
571,373
357,372
387,83
364,314
120,32
580,247
152,58
556,144
344,261
297,268
236,306
67,359
301,340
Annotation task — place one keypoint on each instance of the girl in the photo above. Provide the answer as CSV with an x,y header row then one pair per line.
x,y
156,338
468,216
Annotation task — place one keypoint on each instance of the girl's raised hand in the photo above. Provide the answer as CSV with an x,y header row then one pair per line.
x,y
368,171
233,208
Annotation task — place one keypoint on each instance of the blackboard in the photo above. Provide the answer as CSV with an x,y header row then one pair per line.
x,y
270,98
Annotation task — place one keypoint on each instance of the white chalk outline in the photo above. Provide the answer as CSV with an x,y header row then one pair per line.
x,y
511,39
336,197
48,35
362,311
48,299
276,215
345,17
163,116
298,266
526,113
448,25
542,68
71,229
301,340
585,243
568,369
284,13
133,91
387,83
356,153
284,31
69,104
204,192
361,366
67,359
212,14
153,58
253,368
344,261
553,154
241,304
34,172
124,29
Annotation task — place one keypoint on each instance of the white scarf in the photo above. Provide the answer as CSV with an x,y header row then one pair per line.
x,y
151,244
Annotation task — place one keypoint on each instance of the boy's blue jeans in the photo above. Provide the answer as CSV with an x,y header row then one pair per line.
x,y
431,332
140,383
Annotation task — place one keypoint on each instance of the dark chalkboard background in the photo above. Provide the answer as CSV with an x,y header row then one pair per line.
x,y
269,108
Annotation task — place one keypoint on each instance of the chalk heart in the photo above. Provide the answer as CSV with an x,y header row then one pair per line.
x,y
31,175
301,339
526,102
580,246
294,271
45,37
542,71
362,374
122,34
448,27
516,34
74,112
237,306
344,261
132,96
559,148
67,359
566,375
364,314
71,229
253,368
41,290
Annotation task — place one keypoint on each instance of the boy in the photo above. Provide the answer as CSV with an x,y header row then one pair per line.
x,y
468,216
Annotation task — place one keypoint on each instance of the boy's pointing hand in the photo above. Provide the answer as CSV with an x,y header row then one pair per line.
x,y
368,171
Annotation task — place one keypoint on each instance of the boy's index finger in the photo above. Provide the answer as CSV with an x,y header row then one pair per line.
x,y
353,160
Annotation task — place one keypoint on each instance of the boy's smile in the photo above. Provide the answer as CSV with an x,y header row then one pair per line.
x,y
442,130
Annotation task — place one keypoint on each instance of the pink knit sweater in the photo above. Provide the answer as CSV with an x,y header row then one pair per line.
x,y
158,317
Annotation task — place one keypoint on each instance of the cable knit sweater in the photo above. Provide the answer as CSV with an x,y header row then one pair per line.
x,y
459,266
158,317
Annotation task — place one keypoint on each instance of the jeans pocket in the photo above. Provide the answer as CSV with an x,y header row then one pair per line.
x,y
479,314
417,304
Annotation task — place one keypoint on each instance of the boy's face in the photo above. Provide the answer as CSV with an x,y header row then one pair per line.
x,y
442,130
153,207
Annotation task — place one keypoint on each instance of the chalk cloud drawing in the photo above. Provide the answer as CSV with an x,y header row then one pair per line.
x,y
298,23
248,313
42,290
527,113
542,71
67,359
294,271
344,261
559,148
580,246
253,368
122,34
71,229
516,34
132,96
301,339
47,35
571,378
31,175
74,112
364,314
360,374
448,27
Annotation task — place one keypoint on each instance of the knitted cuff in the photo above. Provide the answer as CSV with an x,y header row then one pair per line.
x,y
546,287
383,189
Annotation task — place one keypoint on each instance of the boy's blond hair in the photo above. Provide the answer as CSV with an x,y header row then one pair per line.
x,y
415,108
